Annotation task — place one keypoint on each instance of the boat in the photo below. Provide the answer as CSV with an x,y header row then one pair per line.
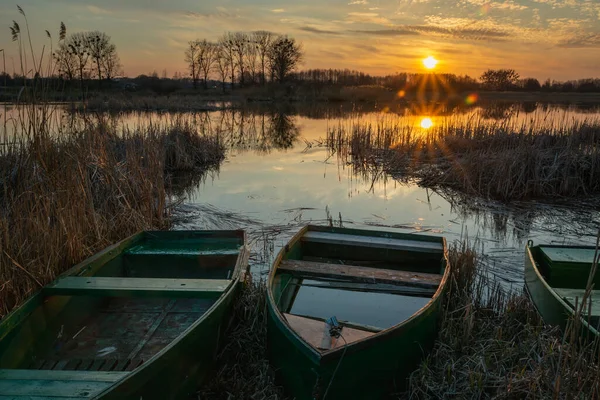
x,y
556,278
142,319
352,311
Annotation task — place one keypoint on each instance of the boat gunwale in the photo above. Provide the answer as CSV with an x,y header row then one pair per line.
x,y
110,252
569,311
324,356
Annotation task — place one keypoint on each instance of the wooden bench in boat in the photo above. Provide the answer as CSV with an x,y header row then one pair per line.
x,y
151,251
46,384
136,287
575,296
373,241
316,332
361,274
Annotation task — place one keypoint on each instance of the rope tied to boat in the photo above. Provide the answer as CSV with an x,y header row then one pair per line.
x,y
335,330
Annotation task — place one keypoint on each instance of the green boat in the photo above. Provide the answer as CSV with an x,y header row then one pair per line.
x,y
352,312
141,319
556,278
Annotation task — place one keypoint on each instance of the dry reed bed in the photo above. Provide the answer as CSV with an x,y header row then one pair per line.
x,y
66,195
502,160
493,344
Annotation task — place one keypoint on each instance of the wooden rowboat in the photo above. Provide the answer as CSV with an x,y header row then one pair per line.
x,y
352,312
141,319
556,278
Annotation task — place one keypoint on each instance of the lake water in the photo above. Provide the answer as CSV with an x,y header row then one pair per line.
x,y
277,177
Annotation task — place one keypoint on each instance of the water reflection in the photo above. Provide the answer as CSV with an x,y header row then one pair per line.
x,y
277,177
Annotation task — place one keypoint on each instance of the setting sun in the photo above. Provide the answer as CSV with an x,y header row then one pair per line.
x,y
430,62
426,123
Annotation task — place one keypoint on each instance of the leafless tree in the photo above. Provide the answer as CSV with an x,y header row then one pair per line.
x,y
191,57
226,43
66,62
77,45
101,49
252,61
112,65
263,41
240,43
222,64
206,58
284,56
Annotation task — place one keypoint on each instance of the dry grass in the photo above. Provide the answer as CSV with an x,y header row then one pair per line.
x,y
500,160
64,195
244,371
493,344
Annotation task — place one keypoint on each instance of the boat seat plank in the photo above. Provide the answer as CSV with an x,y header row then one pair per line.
x,y
60,375
361,274
154,251
136,287
569,254
373,241
15,383
316,333
570,296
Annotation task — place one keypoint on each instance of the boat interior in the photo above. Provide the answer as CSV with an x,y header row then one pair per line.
x,y
357,282
121,310
566,270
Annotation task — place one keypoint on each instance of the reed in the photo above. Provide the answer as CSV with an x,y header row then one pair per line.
x,y
67,194
504,160
493,344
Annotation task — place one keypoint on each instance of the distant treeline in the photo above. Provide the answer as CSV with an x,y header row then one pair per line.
x,y
501,80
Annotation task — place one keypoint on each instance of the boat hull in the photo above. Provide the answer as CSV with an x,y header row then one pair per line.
x,y
370,368
552,308
371,371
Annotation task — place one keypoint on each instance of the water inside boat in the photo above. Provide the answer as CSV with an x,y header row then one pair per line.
x,y
368,281
122,315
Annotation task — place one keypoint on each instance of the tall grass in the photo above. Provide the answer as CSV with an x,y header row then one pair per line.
x,y
493,344
502,160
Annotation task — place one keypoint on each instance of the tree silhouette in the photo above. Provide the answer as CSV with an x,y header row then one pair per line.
x,y
284,56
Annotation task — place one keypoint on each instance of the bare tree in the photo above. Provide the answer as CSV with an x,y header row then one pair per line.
x,y
112,65
77,45
284,56
252,59
226,44
263,41
66,62
222,64
191,57
240,43
206,58
100,48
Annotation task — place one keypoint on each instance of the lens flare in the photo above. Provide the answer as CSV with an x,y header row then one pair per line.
x,y
485,9
426,123
471,99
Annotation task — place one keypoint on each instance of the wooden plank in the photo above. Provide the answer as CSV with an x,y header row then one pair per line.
x,y
145,250
569,254
140,287
59,375
372,288
360,274
373,241
569,295
152,330
316,333
45,388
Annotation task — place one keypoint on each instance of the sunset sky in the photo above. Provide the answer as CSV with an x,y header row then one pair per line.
x,y
557,39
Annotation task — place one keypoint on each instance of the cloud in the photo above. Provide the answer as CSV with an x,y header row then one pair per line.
x,y
357,2
481,33
368,17
98,11
581,40
278,10
387,32
317,30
